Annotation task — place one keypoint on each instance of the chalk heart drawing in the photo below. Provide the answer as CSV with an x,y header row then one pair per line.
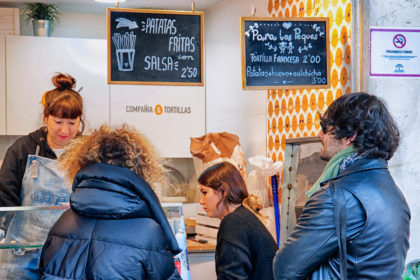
x,y
287,25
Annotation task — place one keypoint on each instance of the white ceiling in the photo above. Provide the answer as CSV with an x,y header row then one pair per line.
x,y
89,6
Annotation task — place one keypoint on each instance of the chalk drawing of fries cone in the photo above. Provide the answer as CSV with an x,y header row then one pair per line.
x,y
125,44
125,50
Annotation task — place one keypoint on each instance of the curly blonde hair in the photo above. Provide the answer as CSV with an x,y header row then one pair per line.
x,y
122,146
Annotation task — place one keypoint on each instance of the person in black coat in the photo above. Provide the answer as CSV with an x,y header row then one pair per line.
x,y
245,249
116,228
356,223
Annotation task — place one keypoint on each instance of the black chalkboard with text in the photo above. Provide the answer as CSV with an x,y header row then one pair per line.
x,y
285,53
154,47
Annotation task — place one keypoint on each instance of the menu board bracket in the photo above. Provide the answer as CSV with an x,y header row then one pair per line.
x,y
154,47
285,53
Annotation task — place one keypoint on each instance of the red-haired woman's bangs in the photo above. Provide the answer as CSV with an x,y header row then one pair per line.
x,y
67,107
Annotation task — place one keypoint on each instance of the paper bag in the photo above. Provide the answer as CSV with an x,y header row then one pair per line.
x,y
213,148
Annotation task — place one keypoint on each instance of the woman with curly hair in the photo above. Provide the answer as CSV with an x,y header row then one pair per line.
x,y
116,228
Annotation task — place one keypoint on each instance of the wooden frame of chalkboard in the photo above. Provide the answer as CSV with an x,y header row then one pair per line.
x,y
155,47
285,53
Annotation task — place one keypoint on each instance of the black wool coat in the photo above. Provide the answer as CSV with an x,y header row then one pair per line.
x,y
245,249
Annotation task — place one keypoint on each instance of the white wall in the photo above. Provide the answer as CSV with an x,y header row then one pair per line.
x,y
229,108
403,99
83,20
73,23
37,59
2,84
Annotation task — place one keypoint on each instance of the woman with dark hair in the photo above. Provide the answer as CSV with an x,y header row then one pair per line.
x,y
245,249
28,177
116,228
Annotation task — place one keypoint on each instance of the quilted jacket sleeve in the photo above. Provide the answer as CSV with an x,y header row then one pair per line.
x,y
314,239
160,265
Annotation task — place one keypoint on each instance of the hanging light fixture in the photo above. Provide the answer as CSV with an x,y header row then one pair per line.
x,y
110,1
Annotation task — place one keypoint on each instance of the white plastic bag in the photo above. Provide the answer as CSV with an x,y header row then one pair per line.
x,y
264,168
257,179
256,184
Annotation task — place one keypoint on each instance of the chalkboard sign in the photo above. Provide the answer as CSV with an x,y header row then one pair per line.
x,y
286,53
154,47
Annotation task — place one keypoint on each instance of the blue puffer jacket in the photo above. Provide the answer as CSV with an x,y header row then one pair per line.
x,y
378,226
115,229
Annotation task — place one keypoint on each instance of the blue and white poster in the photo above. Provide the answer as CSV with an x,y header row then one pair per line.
x,y
395,52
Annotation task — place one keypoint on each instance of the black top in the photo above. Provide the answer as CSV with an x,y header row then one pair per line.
x,y
14,164
245,249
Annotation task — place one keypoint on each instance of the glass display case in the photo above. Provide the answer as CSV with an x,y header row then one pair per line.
x,y
175,216
26,240
17,235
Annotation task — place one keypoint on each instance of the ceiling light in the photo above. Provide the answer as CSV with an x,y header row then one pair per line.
x,y
110,1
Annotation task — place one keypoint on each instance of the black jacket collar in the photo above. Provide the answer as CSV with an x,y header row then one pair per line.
x,y
361,165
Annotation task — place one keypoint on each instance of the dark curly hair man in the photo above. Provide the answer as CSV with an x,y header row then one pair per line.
x,y
367,117
356,221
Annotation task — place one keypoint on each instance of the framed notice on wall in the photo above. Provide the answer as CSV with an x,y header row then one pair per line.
x,y
285,53
154,47
395,52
